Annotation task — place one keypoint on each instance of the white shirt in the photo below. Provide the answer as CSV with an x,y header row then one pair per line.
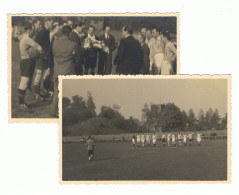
x,y
184,138
107,36
92,37
179,136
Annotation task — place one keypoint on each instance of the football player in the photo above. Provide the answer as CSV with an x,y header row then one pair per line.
x,y
28,50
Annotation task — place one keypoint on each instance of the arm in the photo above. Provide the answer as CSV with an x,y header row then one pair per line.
x,y
33,44
174,51
151,56
113,46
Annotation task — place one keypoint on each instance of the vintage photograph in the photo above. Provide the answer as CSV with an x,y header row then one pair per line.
x,y
136,129
41,47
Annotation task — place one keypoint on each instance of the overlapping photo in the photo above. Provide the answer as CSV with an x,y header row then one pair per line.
x,y
41,47
145,129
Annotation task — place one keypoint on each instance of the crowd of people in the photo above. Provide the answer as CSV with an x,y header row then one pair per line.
x,y
170,139
51,48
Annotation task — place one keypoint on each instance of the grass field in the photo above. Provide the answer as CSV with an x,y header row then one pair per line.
x,y
121,161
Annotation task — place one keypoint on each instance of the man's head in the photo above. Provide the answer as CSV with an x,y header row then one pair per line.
x,y
81,26
165,36
70,23
127,30
55,26
155,32
143,30
91,30
78,26
37,24
28,29
107,29
141,38
148,34
48,23
66,30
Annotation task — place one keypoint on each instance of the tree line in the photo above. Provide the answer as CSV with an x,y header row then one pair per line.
x,y
155,117
169,117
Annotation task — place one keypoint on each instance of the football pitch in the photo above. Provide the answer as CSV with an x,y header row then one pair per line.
x,y
122,161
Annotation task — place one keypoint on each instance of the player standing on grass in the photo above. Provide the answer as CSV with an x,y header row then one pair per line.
x,y
142,140
168,138
148,139
173,140
138,140
154,139
199,138
185,139
179,139
190,137
90,144
164,139
133,140
27,64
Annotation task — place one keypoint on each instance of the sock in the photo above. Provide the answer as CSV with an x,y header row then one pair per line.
x,y
36,89
21,95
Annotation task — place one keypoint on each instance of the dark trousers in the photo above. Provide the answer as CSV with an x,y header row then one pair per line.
x,y
105,63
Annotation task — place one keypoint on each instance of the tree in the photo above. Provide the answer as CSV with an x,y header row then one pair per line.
x,y
90,104
191,120
208,119
109,113
65,102
145,112
116,107
201,120
215,120
223,124
171,118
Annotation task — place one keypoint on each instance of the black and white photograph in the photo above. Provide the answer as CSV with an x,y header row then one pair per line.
x,y
45,46
145,129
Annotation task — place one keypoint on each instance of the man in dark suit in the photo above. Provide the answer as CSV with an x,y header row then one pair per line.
x,y
129,50
144,54
75,36
90,52
105,58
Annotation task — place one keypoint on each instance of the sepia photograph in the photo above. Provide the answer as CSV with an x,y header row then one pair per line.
x,y
41,47
136,129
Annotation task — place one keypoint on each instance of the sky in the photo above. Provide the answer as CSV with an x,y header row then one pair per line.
x,y
132,94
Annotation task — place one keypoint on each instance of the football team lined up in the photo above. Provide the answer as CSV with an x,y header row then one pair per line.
x,y
170,139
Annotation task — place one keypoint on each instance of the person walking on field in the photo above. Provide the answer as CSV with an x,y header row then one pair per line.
x,y
90,144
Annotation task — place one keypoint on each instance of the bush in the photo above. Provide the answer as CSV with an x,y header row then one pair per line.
x,y
213,134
